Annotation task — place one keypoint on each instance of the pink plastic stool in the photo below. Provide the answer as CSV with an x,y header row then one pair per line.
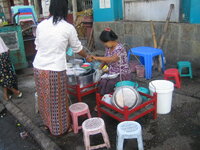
x,y
76,110
94,126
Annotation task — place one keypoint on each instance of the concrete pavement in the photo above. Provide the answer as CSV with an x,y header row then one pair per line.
x,y
178,130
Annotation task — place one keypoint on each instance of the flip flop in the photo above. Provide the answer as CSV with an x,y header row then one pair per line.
x,y
9,98
20,95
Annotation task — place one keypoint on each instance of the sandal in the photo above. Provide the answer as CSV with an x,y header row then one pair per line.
x,y
70,130
95,108
20,95
44,127
8,98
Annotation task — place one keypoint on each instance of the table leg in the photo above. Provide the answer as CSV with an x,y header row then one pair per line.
x,y
148,67
163,63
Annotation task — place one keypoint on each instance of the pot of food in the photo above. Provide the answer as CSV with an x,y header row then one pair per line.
x,y
126,96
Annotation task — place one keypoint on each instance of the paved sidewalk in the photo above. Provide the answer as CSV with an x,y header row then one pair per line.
x,y
178,130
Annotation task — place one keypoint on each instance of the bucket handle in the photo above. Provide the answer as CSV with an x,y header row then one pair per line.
x,y
153,86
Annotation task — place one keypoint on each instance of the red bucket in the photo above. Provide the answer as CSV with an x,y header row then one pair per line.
x,y
140,71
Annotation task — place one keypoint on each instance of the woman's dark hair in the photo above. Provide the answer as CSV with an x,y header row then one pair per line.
x,y
108,35
58,9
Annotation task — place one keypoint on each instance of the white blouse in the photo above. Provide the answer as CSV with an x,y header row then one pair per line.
x,y
52,42
3,47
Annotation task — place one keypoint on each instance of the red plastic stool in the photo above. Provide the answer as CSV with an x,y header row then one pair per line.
x,y
173,74
76,110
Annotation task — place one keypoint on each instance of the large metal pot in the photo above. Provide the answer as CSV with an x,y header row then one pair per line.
x,y
82,79
126,96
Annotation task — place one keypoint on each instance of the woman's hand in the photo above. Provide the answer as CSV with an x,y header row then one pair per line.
x,y
94,57
106,59
89,58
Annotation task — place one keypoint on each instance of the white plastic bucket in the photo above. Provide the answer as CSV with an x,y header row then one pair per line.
x,y
164,90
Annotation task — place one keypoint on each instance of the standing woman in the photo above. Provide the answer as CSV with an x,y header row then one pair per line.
x,y
8,79
53,36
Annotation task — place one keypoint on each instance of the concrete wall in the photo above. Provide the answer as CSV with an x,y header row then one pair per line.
x,y
19,2
5,7
182,41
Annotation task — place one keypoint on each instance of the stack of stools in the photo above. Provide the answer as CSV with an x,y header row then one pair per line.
x,y
94,126
129,130
185,64
76,110
173,74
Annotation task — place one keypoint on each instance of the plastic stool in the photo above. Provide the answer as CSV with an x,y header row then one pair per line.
x,y
76,110
143,90
94,126
173,74
129,130
147,54
185,64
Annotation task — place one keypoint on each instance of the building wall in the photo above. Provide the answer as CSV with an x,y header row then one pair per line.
x,y
155,10
19,2
181,42
6,6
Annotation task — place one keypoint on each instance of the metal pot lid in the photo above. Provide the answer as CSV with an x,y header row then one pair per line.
x,y
125,96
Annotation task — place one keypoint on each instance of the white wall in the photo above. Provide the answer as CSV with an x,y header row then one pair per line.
x,y
155,10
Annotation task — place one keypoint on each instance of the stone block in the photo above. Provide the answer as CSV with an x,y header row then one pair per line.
x,y
170,46
121,39
173,32
197,32
119,28
98,26
128,28
134,40
112,25
185,48
187,32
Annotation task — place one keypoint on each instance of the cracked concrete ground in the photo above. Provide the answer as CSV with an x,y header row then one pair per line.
x,y
178,130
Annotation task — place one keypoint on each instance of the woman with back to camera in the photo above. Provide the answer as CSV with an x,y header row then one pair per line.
x,y
53,36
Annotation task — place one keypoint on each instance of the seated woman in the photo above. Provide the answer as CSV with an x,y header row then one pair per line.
x,y
116,59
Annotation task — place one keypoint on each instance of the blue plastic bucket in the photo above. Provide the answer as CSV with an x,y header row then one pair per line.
x,y
126,83
145,91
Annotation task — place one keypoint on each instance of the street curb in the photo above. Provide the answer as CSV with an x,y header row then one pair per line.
x,y
44,141
1,107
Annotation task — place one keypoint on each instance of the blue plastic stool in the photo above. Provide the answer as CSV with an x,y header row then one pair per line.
x,y
148,53
143,90
185,64
129,130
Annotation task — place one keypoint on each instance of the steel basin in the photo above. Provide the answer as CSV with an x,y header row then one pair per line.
x,y
83,79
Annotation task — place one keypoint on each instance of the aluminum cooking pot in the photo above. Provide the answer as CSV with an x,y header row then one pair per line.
x,y
126,96
82,79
